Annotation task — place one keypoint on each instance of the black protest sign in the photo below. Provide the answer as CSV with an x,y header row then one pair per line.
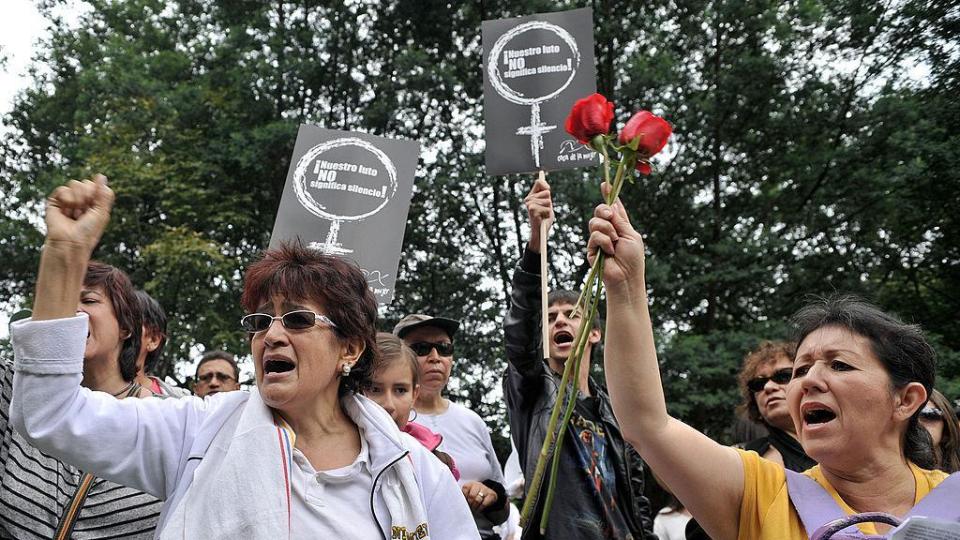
x,y
348,194
534,69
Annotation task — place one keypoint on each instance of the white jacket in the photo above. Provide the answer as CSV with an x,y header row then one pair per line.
x,y
222,465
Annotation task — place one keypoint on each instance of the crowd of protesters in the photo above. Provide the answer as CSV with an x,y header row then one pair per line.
x,y
349,433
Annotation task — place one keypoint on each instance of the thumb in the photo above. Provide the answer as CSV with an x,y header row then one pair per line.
x,y
621,221
103,197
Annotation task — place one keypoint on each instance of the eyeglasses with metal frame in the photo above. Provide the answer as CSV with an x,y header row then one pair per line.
x,y
300,319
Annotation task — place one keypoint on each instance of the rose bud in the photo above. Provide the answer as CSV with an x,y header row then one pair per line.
x,y
589,117
648,134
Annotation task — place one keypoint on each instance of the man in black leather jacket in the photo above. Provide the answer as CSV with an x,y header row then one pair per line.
x,y
600,482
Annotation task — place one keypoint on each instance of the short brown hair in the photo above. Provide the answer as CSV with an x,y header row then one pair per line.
x,y
295,272
118,288
766,353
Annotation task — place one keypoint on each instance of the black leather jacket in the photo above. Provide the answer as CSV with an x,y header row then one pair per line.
x,y
530,388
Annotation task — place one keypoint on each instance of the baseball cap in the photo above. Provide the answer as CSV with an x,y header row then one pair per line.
x,y
419,320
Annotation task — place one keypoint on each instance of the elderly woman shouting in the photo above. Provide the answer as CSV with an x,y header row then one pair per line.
x,y
300,456
860,379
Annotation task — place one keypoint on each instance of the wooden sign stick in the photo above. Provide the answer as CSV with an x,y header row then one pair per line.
x,y
544,320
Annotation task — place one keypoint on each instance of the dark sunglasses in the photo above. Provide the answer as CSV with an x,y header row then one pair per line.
x,y
931,413
222,377
422,348
293,320
781,376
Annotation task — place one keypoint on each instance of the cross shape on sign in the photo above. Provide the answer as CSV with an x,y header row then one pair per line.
x,y
535,130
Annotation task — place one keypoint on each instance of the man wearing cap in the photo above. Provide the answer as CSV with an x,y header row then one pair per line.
x,y
465,435
600,480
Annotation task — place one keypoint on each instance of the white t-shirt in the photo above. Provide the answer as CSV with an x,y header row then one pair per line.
x,y
670,524
467,439
334,503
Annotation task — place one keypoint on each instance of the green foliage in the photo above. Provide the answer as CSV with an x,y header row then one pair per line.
x,y
805,161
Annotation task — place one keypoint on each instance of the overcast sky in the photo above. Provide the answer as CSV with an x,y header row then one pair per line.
x,y
20,28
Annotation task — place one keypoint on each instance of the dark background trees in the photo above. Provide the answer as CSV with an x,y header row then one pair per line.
x,y
815,152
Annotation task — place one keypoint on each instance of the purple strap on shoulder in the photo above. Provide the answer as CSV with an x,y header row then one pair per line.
x,y
943,501
820,514
813,504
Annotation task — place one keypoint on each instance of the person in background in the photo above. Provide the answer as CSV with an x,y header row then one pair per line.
x,y
670,523
43,498
395,385
216,372
466,436
599,495
152,340
938,417
763,386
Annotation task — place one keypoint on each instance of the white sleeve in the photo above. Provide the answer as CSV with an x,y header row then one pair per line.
x,y
447,510
134,442
496,473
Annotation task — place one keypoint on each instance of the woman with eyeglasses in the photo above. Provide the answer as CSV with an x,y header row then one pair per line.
x,y
300,456
763,385
860,380
939,419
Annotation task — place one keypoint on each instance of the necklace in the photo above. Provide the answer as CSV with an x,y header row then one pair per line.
x,y
126,388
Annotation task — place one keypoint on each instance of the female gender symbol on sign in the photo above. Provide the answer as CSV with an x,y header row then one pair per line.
x,y
536,129
354,202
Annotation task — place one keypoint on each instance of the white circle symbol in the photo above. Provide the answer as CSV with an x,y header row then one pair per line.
x,y
493,69
318,209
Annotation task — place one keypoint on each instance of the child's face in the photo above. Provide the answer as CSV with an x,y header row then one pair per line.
x,y
393,389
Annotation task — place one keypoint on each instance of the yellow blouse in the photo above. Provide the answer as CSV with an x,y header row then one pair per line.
x,y
766,512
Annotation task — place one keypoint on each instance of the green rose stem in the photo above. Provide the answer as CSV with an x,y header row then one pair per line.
x,y
589,297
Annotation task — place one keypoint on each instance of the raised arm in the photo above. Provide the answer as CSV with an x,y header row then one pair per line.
x,y
706,476
521,326
134,442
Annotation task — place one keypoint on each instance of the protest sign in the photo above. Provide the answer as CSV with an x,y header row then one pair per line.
x,y
348,194
534,69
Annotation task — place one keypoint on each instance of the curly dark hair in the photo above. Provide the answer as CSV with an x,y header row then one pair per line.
x,y
766,353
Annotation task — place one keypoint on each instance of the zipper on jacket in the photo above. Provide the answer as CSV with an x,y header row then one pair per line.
x,y
373,490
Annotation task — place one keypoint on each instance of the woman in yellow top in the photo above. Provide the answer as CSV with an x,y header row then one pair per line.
x,y
859,381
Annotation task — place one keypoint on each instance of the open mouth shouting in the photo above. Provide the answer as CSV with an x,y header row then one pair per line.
x,y
562,338
277,367
816,416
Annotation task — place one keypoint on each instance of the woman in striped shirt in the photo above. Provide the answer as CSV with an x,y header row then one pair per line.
x,y
41,497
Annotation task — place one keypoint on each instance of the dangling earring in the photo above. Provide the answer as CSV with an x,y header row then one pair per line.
x,y
345,370
414,411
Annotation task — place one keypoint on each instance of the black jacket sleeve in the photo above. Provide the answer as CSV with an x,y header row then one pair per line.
x,y
641,502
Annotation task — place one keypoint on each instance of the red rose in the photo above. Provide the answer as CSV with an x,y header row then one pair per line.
x,y
653,133
589,117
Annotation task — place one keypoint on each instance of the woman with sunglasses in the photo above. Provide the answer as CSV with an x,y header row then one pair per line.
x,y
466,436
940,421
763,385
860,379
300,456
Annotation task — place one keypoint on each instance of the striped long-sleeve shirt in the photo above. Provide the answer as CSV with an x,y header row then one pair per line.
x,y
35,489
